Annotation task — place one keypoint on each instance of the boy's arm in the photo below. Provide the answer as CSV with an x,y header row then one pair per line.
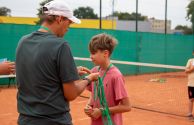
x,y
121,96
124,106
189,69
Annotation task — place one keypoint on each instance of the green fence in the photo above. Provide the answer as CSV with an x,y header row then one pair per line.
x,y
136,47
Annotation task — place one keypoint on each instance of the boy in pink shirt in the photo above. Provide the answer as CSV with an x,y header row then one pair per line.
x,y
101,47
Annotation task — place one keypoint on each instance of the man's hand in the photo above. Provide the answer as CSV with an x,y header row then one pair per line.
x,y
93,76
7,68
83,70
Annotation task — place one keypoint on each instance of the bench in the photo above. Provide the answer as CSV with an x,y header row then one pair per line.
x,y
10,77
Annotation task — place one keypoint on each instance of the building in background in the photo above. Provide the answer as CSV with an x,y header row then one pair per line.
x,y
150,25
143,26
158,26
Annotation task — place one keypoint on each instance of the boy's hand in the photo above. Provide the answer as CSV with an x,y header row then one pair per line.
x,y
83,70
96,113
88,110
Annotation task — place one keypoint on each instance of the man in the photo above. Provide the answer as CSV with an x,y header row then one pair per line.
x,y
7,68
46,72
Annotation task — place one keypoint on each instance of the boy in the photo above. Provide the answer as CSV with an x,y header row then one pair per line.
x,y
190,71
101,47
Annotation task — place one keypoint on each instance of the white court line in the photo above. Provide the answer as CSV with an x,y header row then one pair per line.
x,y
137,63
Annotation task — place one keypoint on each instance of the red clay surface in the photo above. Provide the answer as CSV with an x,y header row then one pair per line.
x,y
170,97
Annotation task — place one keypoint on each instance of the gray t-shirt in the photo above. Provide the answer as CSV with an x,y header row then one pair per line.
x,y
43,64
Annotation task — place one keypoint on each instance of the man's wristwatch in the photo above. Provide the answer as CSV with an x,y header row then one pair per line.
x,y
89,81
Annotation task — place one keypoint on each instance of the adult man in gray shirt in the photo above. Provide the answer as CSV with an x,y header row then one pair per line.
x,y
46,71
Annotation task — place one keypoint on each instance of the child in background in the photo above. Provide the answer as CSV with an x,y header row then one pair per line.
x,y
101,47
190,72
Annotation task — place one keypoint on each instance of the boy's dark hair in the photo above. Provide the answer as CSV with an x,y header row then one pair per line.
x,y
102,42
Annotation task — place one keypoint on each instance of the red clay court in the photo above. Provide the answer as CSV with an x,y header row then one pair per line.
x,y
154,103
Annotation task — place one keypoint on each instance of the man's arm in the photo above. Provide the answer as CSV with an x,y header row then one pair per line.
x,y
74,89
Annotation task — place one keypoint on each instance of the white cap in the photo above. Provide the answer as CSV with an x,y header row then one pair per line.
x,y
60,8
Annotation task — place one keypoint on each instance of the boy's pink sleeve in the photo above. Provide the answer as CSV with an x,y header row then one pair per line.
x,y
119,86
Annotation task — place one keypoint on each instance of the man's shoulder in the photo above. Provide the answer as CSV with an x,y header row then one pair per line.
x,y
51,39
43,37
47,40
25,36
54,39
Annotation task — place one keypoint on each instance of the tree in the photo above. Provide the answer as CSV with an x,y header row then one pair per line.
x,y
190,13
85,13
186,30
128,16
81,12
40,10
4,11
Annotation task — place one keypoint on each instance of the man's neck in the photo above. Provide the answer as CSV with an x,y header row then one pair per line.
x,y
48,28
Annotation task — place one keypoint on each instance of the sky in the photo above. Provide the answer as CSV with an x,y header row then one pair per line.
x,y
151,8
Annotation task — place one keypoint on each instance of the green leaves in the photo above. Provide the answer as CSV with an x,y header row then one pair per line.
x,y
128,16
190,12
4,11
85,13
